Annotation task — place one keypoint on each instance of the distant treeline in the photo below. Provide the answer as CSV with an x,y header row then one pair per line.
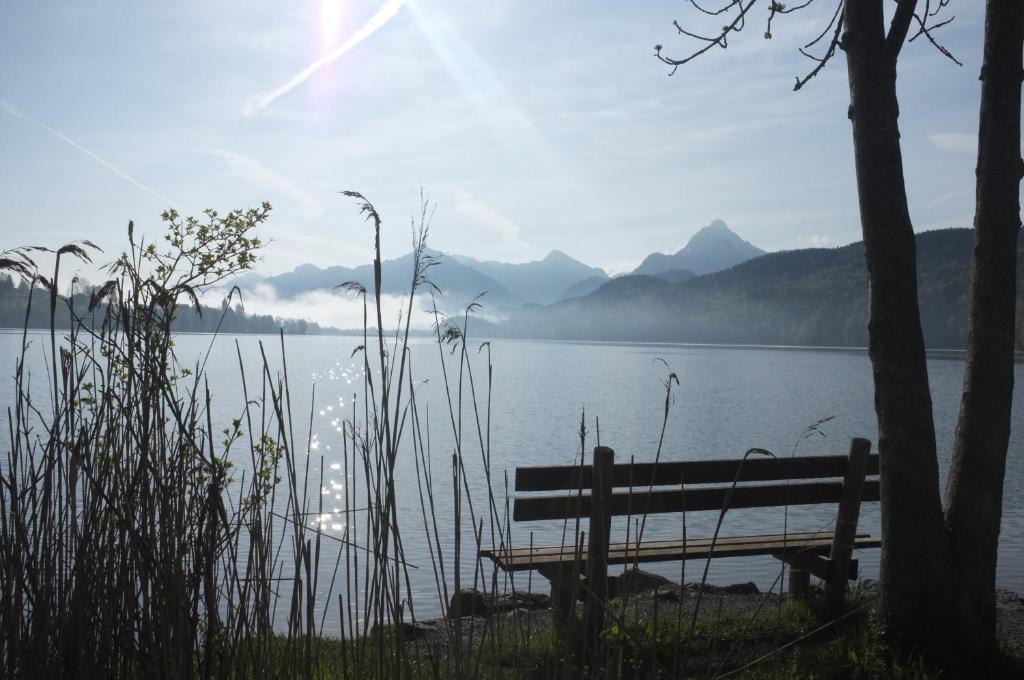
x,y
14,301
814,297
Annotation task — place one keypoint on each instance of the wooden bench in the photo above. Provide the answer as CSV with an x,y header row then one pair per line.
x,y
579,571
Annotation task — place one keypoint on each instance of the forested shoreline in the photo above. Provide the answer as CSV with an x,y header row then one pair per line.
x,y
16,301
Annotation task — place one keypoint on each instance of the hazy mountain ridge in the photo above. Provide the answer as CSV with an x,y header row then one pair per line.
x,y
540,281
799,297
676,275
814,296
584,287
458,283
557,276
811,297
460,278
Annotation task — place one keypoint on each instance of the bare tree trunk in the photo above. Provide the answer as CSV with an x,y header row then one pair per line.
x,y
974,492
915,570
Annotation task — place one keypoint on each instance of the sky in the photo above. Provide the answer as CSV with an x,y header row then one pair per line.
x,y
530,125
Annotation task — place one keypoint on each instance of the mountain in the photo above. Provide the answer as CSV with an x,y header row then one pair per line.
x,y
676,275
584,287
541,281
460,279
459,284
814,297
712,249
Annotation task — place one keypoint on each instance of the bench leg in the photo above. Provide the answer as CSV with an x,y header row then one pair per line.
x,y
846,528
799,582
564,591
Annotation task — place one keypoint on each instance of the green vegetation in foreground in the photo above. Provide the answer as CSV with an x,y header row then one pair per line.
x,y
780,641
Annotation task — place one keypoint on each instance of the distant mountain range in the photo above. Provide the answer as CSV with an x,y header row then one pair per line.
x,y
541,281
459,282
509,286
717,289
813,297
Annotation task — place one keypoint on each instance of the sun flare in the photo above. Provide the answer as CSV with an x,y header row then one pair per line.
x,y
331,14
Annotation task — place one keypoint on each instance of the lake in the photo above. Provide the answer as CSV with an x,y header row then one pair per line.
x,y
728,400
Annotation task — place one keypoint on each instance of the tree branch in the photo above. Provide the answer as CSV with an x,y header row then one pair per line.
x,y
721,40
899,27
837,19
926,31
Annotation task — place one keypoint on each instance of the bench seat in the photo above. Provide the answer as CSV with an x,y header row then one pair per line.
x,y
543,558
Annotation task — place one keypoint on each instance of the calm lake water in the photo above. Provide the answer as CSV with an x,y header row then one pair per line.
x,y
728,399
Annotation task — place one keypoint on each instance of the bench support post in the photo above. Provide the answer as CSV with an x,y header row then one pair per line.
x,y
799,582
563,599
846,527
597,550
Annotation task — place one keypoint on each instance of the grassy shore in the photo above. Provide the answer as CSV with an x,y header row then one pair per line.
x,y
739,635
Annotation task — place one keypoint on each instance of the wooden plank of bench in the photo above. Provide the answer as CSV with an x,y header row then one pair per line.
x,y
569,549
625,554
568,477
688,500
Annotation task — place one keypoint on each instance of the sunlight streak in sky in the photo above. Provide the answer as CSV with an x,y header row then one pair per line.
x,y
509,124
480,86
383,15
8,108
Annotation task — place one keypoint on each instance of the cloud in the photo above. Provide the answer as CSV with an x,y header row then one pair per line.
x,y
327,308
384,14
11,110
955,141
813,241
483,215
254,173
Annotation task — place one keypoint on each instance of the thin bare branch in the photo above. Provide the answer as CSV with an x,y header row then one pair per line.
x,y
715,12
835,17
926,31
835,43
722,40
778,8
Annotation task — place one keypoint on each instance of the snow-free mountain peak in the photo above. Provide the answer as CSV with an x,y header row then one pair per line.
x,y
558,256
713,248
538,281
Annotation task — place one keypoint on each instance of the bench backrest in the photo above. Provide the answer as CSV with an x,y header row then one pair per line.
x,y
646,482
